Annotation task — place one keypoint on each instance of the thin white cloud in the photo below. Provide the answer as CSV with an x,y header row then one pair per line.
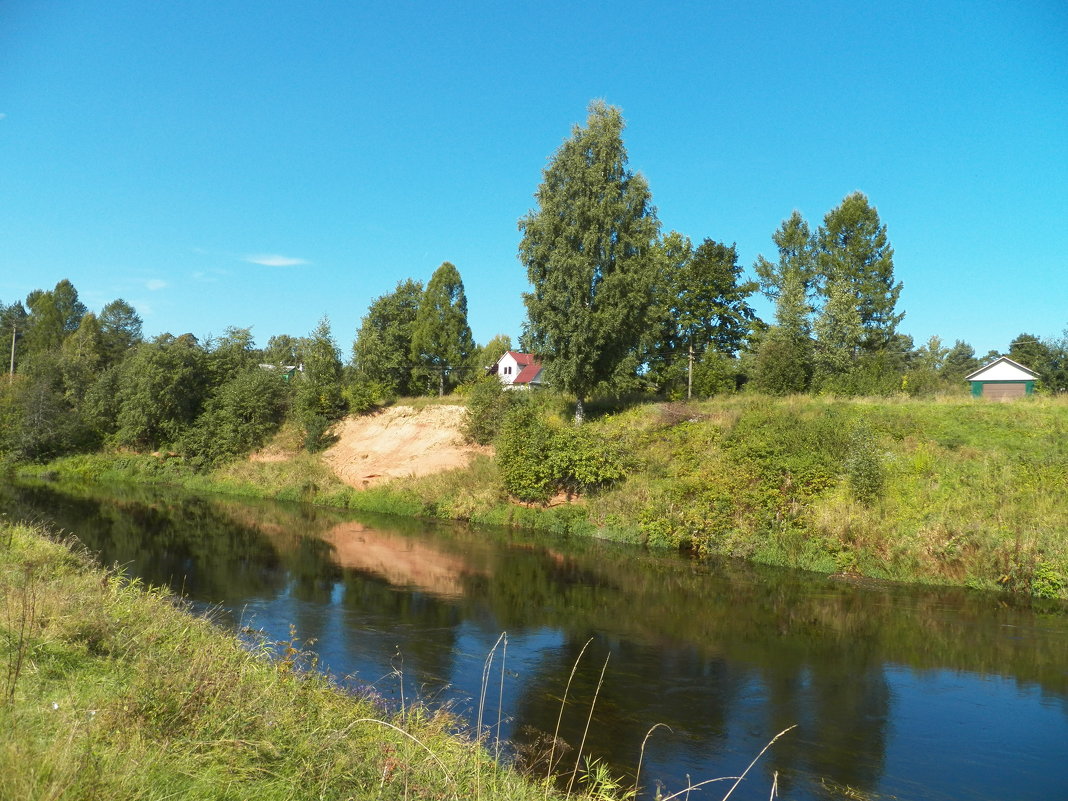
x,y
155,284
274,260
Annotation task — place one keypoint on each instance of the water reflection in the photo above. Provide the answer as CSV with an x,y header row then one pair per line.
x,y
895,691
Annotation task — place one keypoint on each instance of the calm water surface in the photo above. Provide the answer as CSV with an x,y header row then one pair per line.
x,y
897,693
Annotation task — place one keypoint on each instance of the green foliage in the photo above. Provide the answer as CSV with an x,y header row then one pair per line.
x,y
120,329
489,353
588,251
382,352
784,360
316,433
959,362
319,400
537,455
487,405
230,355
161,389
839,335
715,373
855,259
583,460
783,364
1047,581
284,350
43,421
700,311
863,465
524,453
1047,357
54,314
441,338
239,417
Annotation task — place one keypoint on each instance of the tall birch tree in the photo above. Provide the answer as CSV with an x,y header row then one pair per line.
x,y
588,251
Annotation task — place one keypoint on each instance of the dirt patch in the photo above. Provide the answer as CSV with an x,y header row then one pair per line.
x,y
399,441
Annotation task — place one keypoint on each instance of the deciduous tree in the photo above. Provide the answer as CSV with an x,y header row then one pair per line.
x,y
382,352
784,361
588,254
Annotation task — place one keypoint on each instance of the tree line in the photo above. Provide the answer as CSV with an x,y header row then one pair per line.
x,y
616,307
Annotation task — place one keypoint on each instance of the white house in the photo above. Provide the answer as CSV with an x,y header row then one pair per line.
x,y
1003,380
518,370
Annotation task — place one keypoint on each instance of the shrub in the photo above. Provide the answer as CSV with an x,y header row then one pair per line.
x,y
524,453
584,459
487,404
239,417
538,455
863,466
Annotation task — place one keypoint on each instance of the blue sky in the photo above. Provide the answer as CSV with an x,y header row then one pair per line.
x,y
265,163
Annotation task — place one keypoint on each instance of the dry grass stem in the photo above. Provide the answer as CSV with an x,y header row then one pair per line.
x,y
589,718
560,717
641,754
411,737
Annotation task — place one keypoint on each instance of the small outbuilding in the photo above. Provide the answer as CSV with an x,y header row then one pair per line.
x,y
1003,380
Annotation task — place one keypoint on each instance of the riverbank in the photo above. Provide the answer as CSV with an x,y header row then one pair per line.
x,y
112,690
951,491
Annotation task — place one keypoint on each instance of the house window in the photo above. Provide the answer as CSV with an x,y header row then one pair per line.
x,y
508,370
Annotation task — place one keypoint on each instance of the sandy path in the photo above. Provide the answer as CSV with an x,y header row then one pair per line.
x,y
399,441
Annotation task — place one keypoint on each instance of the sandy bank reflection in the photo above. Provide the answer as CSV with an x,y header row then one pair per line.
x,y
402,561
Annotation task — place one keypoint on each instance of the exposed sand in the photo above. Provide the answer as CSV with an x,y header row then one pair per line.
x,y
399,441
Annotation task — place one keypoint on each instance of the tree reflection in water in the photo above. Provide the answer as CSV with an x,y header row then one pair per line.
x,y
726,654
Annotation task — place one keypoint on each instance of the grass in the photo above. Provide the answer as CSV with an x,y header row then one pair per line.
x,y
944,491
111,689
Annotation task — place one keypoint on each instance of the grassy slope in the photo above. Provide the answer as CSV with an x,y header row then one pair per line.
x,y
110,691
960,491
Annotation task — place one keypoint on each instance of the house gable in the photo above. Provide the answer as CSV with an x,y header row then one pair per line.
x,y
1003,369
515,369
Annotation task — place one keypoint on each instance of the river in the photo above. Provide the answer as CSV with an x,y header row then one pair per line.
x,y
896,692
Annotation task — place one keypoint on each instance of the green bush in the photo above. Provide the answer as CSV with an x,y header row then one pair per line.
x,y
538,455
583,459
524,454
487,405
239,417
863,466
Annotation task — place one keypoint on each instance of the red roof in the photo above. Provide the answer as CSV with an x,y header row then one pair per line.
x,y
522,359
528,374
529,367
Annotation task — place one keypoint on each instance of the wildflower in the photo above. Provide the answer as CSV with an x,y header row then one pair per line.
x,y
55,705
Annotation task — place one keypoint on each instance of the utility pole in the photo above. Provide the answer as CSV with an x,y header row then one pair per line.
x,y
11,375
689,374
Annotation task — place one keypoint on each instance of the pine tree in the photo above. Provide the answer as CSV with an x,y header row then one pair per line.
x,y
441,338
854,253
588,254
